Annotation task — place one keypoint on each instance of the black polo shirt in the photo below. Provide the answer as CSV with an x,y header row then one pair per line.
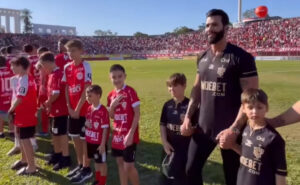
x,y
173,114
263,156
220,86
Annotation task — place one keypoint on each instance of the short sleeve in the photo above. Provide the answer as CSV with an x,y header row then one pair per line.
x,y
278,157
163,116
105,119
88,73
134,99
55,85
247,66
22,87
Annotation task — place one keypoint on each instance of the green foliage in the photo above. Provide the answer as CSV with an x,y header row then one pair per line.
x,y
26,17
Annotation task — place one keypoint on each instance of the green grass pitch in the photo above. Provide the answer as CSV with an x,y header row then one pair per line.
x,y
280,79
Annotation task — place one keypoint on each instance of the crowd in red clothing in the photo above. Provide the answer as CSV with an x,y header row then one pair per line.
x,y
269,34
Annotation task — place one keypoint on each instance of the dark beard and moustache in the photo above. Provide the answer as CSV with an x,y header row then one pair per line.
x,y
218,36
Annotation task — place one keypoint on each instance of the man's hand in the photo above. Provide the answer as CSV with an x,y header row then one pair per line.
x,y
128,140
227,138
168,147
101,149
186,127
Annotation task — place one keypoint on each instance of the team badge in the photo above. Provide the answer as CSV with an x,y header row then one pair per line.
x,y
211,67
79,76
124,104
259,138
258,152
96,125
204,60
248,143
221,71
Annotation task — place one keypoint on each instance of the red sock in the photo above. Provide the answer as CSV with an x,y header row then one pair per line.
x,y
98,176
102,180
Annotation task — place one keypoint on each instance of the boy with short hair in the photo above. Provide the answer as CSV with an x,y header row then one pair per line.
x,y
124,108
262,149
174,144
5,95
77,76
97,132
40,80
25,121
62,58
56,106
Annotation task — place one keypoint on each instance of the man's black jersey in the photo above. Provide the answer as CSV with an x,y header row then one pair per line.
x,y
172,117
262,157
220,86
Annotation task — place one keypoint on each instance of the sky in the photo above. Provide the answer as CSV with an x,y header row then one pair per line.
x,y
148,16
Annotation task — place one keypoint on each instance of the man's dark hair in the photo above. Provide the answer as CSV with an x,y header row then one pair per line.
x,y
219,12
21,61
116,67
2,61
94,89
27,48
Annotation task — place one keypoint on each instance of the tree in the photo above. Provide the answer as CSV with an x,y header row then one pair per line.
x,y
26,17
182,30
105,33
140,34
201,27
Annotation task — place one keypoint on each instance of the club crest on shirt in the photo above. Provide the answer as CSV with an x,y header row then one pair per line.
x,y
79,76
96,125
221,71
204,60
259,138
258,152
124,104
211,67
248,143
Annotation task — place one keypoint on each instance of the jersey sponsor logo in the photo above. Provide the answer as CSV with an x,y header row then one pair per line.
x,y
118,138
248,143
122,129
211,67
75,89
258,152
221,71
120,117
218,88
254,166
259,138
96,125
79,76
170,107
91,134
224,60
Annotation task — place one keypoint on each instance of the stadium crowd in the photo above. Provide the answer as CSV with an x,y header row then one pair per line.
x,y
272,34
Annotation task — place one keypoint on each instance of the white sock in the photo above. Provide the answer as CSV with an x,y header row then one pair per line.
x,y
17,142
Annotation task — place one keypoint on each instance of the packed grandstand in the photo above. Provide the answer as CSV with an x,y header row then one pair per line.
x,y
280,37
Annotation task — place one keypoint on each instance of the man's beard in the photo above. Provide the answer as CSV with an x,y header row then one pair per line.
x,y
218,36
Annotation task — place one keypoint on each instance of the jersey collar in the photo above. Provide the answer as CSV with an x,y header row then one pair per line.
x,y
96,108
118,90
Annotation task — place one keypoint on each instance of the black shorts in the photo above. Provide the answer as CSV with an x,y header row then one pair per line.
x,y
77,127
59,125
128,153
93,153
26,132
